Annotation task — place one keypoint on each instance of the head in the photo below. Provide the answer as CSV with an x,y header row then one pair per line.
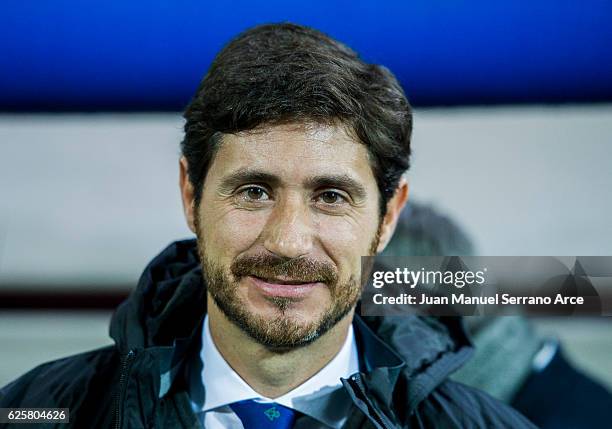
x,y
292,169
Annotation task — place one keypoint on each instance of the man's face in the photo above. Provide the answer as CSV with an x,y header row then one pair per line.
x,y
285,215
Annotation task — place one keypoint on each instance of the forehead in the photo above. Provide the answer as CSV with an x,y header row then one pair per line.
x,y
294,151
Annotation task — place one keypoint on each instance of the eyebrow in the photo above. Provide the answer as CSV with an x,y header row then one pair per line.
x,y
341,181
247,175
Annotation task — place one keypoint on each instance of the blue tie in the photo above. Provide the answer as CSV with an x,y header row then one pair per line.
x,y
262,415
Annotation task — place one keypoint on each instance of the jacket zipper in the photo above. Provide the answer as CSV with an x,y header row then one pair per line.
x,y
382,420
126,364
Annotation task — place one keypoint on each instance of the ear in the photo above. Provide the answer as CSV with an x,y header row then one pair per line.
x,y
394,208
187,193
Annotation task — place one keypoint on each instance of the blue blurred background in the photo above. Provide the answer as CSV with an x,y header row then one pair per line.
x,y
150,55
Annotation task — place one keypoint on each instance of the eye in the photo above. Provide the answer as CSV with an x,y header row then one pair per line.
x,y
331,197
254,193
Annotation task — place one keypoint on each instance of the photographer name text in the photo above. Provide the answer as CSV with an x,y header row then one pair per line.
x,y
461,299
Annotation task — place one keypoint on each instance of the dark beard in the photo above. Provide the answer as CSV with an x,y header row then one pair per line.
x,y
283,333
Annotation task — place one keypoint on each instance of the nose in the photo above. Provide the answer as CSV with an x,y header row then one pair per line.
x,y
289,231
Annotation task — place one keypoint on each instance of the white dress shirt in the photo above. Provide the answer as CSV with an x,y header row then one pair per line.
x,y
321,397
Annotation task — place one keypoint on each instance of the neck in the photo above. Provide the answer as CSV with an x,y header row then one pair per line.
x,y
268,372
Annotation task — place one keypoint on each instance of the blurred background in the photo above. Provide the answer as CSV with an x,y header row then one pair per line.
x,y
512,140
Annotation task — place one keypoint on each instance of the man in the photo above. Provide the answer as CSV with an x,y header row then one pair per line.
x,y
292,169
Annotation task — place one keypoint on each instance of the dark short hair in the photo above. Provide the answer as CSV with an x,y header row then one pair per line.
x,y
283,73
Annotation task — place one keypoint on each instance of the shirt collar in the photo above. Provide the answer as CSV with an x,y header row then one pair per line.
x,y
320,397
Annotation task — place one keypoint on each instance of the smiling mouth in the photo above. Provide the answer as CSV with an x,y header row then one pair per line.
x,y
284,281
283,287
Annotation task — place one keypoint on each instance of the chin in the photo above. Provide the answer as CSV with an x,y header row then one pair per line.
x,y
296,313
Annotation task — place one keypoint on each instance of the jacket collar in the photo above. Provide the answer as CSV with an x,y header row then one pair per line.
x,y
381,365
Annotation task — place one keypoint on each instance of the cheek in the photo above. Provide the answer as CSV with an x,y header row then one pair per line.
x,y
231,231
347,240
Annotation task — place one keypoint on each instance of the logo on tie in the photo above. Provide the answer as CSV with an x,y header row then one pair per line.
x,y
272,413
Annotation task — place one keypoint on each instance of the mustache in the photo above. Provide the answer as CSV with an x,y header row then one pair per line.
x,y
298,269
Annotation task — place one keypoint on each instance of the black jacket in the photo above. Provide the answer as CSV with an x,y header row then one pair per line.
x,y
139,382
